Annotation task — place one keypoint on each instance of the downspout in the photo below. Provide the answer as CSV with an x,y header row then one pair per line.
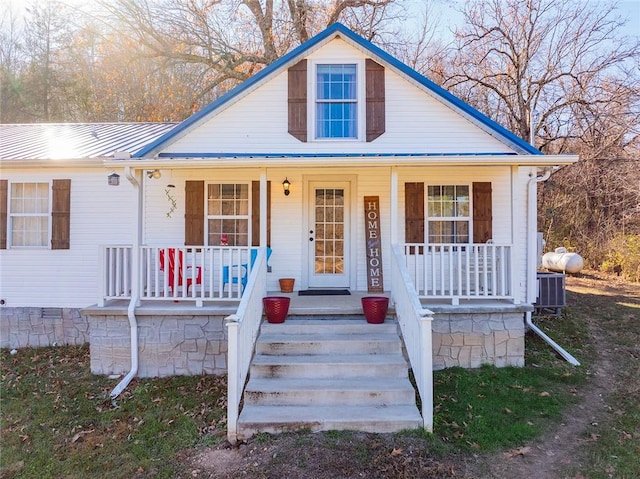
x,y
532,250
131,314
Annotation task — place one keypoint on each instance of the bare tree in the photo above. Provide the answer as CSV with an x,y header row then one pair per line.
x,y
538,59
562,70
229,40
11,66
47,35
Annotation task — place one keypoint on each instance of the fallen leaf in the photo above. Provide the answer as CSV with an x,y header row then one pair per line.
x,y
508,411
520,451
593,437
544,394
79,435
396,452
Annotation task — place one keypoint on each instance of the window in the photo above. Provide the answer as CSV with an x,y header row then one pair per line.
x,y
29,213
448,216
336,101
228,214
333,108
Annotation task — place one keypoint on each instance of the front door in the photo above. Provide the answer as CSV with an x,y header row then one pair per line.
x,y
329,225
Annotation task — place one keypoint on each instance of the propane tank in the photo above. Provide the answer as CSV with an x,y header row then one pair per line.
x,y
562,262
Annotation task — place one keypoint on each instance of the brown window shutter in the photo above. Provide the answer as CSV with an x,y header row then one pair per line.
x,y
4,192
194,213
61,214
414,212
255,213
298,100
375,99
482,212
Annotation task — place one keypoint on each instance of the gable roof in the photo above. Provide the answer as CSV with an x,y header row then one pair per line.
x,y
67,141
333,31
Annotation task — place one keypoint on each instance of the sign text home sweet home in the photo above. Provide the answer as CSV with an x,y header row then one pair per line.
x,y
373,244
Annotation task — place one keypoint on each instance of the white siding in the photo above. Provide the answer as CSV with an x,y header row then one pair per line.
x,y
415,121
100,214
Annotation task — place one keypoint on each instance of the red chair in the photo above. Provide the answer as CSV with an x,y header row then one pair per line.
x,y
185,274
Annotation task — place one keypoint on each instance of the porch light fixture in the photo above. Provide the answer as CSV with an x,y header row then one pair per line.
x,y
113,179
286,184
155,174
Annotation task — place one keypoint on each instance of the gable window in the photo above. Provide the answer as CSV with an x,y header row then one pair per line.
x,y
345,101
29,214
228,214
448,214
336,101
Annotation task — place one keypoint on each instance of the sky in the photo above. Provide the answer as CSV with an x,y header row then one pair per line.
x,y
450,17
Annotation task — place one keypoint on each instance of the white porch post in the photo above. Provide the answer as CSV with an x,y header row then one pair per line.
x,y
263,207
136,181
516,225
394,205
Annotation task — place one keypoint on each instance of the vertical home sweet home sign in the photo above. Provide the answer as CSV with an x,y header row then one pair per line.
x,y
373,244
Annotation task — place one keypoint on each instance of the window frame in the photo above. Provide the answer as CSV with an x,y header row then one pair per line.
x,y
468,219
46,215
360,101
247,217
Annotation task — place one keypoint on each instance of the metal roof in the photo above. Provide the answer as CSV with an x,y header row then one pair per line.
x,y
45,141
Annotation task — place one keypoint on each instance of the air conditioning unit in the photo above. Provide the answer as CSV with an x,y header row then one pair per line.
x,y
551,293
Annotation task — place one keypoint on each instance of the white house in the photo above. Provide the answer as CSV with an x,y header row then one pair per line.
x,y
290,166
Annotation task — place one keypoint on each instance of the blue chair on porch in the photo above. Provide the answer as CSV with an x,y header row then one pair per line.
x,y
239,273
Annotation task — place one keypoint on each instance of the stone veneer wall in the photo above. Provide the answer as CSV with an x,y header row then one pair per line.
x,y
168,345
469,339
38,327
197,344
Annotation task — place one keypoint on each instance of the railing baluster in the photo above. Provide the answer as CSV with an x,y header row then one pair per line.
x,y
456,271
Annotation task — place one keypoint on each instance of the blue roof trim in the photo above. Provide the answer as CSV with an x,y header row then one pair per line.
x,y
321,155
384,56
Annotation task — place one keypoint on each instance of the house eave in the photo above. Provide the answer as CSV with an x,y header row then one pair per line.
x,y
272,160
49,163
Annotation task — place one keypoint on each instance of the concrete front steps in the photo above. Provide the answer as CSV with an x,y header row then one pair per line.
x,y
333,374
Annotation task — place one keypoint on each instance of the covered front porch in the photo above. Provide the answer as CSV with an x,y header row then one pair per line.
x,y
447,273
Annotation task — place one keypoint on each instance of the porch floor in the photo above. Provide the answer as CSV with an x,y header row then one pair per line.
x,y
342,305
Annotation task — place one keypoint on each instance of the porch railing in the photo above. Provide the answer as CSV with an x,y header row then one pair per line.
x,y
415,324
211,273
242,329
460,271
115,273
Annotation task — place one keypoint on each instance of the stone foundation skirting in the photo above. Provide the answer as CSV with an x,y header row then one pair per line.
x,y
39,327
192,344
167,346
469,339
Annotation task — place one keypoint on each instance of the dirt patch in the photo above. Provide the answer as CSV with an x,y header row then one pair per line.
x,y
357,455
321,456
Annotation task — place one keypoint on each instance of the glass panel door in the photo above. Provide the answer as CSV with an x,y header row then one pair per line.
x,y
328,236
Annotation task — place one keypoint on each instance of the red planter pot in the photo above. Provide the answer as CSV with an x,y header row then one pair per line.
x,y
375,308
276,308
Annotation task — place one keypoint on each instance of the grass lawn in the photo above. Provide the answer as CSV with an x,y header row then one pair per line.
x,y
56,419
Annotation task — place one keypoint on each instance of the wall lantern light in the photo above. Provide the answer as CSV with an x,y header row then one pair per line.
x,y
155,174
286,184
113,179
